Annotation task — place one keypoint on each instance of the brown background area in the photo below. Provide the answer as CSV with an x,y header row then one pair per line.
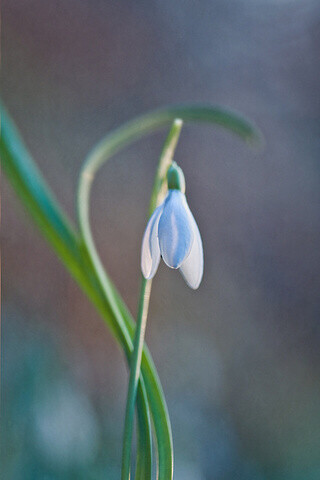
x,y
239,359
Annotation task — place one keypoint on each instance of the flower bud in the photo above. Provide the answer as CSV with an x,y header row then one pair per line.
x,y
175,178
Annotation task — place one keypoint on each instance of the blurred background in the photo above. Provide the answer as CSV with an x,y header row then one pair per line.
x,y
239,359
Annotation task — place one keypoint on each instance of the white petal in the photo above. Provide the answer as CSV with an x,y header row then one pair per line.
x,y
150,250
192,268
175,229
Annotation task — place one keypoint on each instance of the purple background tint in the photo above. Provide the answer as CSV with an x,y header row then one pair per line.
x,y
239,359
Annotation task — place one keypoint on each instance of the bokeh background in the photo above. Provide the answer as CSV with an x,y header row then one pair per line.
x,y
239,359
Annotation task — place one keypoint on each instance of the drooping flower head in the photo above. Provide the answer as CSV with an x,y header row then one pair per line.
x,y
172,233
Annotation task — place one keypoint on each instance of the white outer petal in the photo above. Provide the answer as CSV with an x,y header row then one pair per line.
x,y
175,229
192,268
150,250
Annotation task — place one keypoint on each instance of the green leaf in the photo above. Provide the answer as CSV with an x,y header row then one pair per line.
x,y
67,243
111,144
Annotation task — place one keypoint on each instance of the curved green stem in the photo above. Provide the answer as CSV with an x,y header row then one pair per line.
x,y
135,363
144,450
68,244
105,284
157,195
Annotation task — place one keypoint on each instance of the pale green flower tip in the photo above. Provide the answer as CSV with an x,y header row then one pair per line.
x,y
178,122
175,178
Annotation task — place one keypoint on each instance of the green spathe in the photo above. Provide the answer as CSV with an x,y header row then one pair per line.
x,y
175,178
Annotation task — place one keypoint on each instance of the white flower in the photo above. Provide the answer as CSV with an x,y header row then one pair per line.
x,y
172,233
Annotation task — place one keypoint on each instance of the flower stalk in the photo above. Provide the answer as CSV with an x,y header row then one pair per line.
x,y
158,193
74,245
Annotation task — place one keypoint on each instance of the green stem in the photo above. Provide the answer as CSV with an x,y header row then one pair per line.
x,y
157,196
69,246
134,375
160,185
108,289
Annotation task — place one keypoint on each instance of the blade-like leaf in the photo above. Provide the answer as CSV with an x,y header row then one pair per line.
x,y
67,243
39,201
110,145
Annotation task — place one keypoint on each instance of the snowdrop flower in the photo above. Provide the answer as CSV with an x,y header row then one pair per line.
x,y
172,233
